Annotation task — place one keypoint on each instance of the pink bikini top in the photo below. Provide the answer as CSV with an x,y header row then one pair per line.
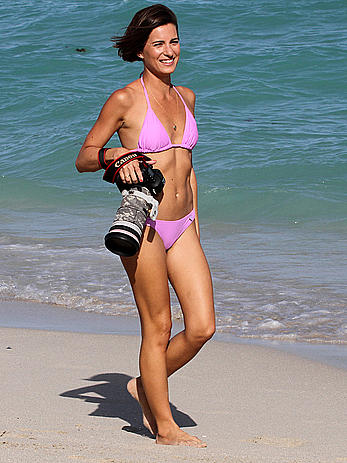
x,y
154,138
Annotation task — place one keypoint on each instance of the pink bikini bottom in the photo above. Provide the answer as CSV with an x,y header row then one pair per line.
x,y
170,230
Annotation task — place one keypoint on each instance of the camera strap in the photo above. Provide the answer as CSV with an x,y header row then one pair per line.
x,y
112,169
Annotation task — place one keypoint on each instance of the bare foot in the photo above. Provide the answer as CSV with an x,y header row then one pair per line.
x,y
135,389
179,437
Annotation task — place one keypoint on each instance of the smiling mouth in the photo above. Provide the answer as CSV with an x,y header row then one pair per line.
x,y
167,61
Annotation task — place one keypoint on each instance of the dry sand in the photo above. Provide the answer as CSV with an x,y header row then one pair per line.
x,y
63,398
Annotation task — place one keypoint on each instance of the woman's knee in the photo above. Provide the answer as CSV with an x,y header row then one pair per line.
x,y
201,332
157,332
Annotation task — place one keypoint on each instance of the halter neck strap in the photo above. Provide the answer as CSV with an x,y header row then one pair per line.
x,y
145,91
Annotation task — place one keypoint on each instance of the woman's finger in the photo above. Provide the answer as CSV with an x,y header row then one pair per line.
x,y
132,171
122,176
128,177
127,173
138,173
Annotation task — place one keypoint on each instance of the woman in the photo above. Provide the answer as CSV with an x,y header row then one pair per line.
x,y
154,117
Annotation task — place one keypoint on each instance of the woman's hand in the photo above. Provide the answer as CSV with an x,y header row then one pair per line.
x,y
114,153
131,172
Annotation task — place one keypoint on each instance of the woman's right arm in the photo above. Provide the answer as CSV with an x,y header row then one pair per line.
x,y
110,119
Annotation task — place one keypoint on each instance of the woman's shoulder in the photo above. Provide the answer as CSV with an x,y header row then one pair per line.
x,y
125,97
188,95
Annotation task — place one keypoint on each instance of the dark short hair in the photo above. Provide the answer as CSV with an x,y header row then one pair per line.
x,y
139,29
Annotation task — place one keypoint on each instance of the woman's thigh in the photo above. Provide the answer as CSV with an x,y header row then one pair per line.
x,y
147,272
190,277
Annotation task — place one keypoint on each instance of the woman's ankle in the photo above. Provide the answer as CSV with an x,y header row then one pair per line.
x,y
166,428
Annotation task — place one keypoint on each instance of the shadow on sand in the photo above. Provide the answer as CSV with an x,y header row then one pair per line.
x,y
114,401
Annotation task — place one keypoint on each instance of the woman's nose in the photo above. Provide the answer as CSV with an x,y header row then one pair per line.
x,y
168,49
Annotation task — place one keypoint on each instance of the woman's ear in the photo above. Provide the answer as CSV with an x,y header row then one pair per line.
x,y
140,55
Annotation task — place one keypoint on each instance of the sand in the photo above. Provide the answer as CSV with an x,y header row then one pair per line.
x,y
64,399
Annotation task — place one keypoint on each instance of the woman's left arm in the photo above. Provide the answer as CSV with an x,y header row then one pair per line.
x,y
194,186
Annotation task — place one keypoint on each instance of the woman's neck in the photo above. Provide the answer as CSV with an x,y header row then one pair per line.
x,y
160,85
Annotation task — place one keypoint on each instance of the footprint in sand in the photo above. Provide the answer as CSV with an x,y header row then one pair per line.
x,y
285,442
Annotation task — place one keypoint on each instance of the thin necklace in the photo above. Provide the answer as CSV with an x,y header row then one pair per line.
x,y
173,124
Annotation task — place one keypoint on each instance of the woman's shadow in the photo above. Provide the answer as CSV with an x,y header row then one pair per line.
x,y
114,401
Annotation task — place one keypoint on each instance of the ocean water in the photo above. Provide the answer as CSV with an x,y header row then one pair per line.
x,y
270,79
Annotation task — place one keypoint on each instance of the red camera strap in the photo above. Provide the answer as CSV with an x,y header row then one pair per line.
x,y
112,169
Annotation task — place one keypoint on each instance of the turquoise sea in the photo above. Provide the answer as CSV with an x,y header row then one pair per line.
x,y
270,79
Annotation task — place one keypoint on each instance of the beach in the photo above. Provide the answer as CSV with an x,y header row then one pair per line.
x,y
271,167
64,398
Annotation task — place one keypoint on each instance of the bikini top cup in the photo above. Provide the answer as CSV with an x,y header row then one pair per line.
x,y
154,138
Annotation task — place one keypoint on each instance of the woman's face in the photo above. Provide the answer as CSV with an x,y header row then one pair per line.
x,y
162,50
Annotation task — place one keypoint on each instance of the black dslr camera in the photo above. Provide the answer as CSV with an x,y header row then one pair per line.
x,y
138,203
152,179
